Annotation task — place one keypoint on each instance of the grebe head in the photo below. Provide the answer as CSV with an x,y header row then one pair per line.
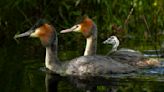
x,y
112,40
86,27
42,30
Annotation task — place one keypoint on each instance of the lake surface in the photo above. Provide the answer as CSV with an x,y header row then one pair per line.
x,y
24,73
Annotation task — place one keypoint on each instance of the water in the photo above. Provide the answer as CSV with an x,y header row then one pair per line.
x,y
99,84
21,73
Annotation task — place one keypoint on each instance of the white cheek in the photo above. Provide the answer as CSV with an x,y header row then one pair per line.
x,y
77,29
35,34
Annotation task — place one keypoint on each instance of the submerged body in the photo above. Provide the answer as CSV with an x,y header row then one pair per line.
x,y
93,65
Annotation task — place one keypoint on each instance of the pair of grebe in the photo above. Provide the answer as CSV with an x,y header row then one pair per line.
x,y
88,65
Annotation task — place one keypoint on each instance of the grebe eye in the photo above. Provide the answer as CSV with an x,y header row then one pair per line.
x,y
77,26
112,37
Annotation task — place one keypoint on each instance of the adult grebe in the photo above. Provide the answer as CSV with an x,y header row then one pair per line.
x,y
129,56
88,28
95,65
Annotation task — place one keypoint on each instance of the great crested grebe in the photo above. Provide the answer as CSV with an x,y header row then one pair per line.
x,y
88,28
129,56
95,65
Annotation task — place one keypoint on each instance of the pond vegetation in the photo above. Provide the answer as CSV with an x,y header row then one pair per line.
x,y
138,24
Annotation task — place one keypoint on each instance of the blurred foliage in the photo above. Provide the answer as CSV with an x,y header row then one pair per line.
x,y
137,23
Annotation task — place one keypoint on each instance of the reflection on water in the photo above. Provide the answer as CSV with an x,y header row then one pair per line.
x,y
29,78
51,82
98,84
19,74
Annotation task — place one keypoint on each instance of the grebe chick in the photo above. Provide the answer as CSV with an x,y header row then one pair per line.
x,y
129,56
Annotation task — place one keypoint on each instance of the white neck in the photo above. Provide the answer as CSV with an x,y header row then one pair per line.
x,y
115,45
114,48
51,60
91,46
